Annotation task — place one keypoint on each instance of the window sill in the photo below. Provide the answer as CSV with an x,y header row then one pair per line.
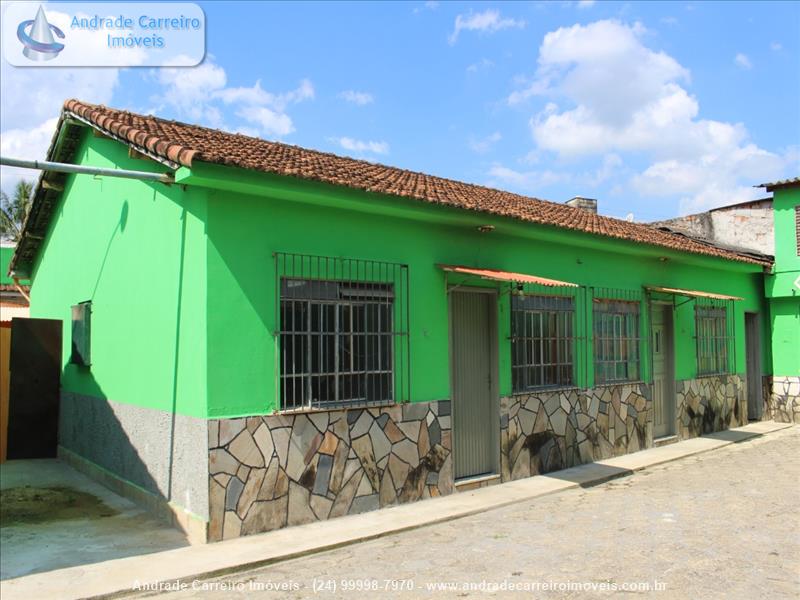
x,y
625,382
545,390
340,406
710,375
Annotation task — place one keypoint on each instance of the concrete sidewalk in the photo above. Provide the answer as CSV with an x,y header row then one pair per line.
x,y
118,577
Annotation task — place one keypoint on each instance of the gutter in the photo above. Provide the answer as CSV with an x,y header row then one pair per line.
x,y
45,165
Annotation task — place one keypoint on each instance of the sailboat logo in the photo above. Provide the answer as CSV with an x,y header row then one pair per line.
x,y
37,37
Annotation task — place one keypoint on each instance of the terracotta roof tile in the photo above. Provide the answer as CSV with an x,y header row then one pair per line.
x,y
184,144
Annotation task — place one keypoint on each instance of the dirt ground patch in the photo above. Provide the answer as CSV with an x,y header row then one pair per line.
x,y
44,504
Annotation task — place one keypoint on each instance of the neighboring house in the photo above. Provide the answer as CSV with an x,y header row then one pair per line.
x,y
782,288
13,298
285,335
745,226
767,226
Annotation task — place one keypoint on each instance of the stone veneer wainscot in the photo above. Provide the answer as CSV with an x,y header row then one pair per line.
x,y
783,399
267,472
548,431
710,404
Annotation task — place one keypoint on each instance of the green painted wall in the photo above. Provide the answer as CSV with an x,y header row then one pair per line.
x,y
784,295
6,252
138,251
785,201
194,263
785,320
297,217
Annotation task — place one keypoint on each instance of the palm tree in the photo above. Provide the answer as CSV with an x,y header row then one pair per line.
x,y
13,210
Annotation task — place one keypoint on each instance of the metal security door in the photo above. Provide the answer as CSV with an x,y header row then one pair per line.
x,y
755,400
472,342
663,372
34,383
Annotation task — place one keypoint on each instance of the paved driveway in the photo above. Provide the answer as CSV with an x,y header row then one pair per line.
x,y
723,524
55,517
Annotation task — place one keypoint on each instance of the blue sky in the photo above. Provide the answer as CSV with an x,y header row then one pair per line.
x,y
653,108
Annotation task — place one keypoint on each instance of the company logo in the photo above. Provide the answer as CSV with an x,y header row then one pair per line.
x,y
37,37
102,34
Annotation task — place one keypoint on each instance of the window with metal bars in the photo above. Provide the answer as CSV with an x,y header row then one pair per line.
x,y
617,353
711,325
542,342
343,332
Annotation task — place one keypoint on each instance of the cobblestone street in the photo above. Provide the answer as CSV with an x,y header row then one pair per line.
x,y
722,524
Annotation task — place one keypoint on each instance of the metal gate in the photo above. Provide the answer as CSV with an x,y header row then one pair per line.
x,y
35,375
755,399
473,371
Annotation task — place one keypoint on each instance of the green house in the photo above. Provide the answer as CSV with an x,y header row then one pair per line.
x,y
782,287
273,335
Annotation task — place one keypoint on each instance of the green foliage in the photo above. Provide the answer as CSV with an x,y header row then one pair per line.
x,y
14,209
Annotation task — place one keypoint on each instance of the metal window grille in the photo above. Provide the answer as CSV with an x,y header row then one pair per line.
x,y
713,338
617,352
542,342
343,331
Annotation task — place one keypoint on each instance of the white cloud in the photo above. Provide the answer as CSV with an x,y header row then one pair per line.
x,y
483,145
531,181
586,3
482,64
270,122
488,21
31,102
189,90
742,61
33,95
199,93
257,96
535,88
525,181
609,94
358,98
360,146
305,91
610,166
776,46
429,5
31,143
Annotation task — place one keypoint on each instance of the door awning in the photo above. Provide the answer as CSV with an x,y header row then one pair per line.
x,y
691,293
496,275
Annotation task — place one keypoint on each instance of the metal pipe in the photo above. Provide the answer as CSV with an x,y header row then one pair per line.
x,y
20,289
45,165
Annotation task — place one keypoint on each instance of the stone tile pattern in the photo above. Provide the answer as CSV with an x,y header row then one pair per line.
x,y
545,432
709,404
267,472
783,399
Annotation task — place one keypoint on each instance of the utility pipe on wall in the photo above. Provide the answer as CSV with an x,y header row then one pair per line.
x,y
20,289
44,165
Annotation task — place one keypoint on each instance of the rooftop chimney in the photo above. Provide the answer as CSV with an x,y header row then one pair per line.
x,y
589,204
